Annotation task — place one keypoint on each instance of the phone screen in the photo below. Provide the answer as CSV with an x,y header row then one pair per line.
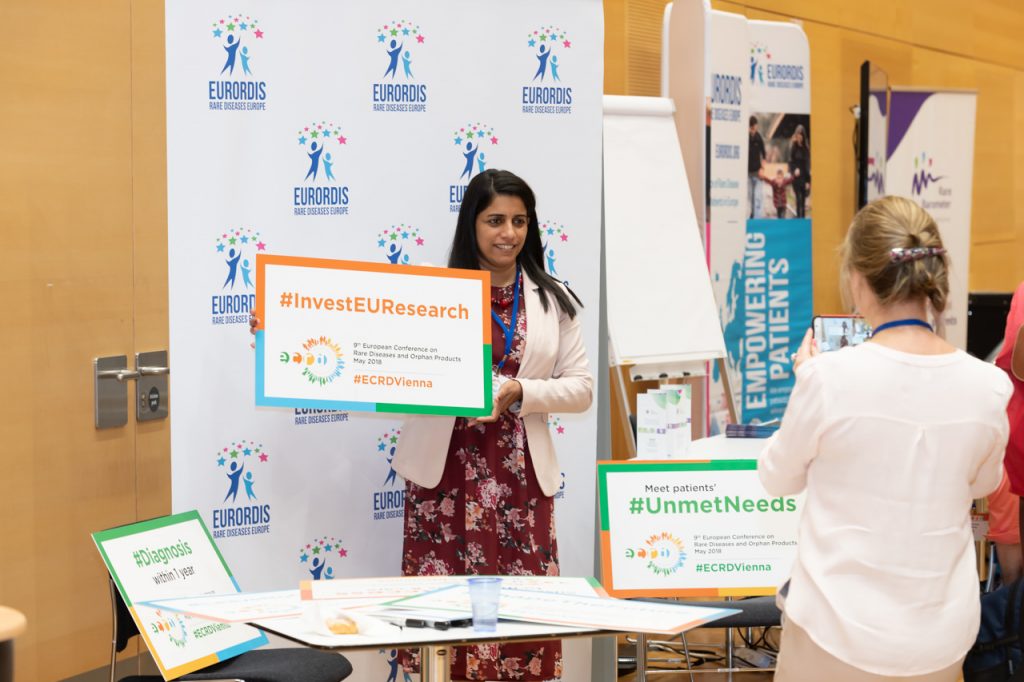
x,y
833,332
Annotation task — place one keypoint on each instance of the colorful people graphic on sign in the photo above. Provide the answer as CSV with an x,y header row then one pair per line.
x,y
318,568
470,153
395,253
407,64
554,67
246,272
248,485
549,254
245,61
481,163
393,53
328,164
542,68
314,160
231,48
233,476
232,262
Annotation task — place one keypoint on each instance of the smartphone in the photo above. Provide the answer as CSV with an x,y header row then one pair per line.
x,y
833,332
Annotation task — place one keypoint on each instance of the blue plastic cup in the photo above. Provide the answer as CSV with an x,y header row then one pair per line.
x,y
484,594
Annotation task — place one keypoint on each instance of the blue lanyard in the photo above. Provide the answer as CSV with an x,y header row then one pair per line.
x,y
909,322
509,330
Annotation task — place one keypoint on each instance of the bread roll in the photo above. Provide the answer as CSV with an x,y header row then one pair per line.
x,y
340,624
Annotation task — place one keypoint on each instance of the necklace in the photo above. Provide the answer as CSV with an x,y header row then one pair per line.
x,y
908,322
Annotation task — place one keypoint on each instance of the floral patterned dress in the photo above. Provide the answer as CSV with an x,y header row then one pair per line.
x,y
487,516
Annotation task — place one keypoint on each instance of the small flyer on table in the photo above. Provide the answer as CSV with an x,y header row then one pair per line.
x,y
369,337
693,528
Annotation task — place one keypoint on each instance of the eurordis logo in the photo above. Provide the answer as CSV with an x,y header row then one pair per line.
x,y
664,553
398,89
320,359
241,466
171,626
555,424
321,192
236,278
238,38
758,56
554,237
389,498
473,142
770,73
308,417
399,242
320,556
545,94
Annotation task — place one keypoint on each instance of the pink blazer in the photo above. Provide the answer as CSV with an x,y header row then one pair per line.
x,y
555,377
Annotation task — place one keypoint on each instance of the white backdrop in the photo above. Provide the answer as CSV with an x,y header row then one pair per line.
x,y
299,128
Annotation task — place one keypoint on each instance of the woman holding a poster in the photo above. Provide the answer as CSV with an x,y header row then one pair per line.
x,y
891,440
479,492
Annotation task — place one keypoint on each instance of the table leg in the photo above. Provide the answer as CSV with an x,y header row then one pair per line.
x,y
7,660
435,664
641,657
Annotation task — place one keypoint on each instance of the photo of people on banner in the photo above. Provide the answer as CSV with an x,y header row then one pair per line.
x,y
779,166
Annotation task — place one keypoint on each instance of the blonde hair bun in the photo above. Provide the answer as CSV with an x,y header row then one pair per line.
x,y
895,244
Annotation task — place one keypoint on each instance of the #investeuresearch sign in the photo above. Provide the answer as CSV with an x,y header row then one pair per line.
x,y
693,528
352,335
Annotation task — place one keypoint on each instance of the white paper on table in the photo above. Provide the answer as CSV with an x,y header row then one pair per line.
x,y
238,607
601,613
383,590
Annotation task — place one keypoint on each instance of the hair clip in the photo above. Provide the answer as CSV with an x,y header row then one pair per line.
x,y
900,255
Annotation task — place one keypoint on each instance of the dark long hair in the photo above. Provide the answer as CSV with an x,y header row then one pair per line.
x,y
465,253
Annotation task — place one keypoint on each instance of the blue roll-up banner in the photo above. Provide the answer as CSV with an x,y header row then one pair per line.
x,y
768,311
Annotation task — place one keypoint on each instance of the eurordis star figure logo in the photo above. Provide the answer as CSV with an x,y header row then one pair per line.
x,y
546,43
317,140
238,247
399,40
758,54
319,557
473,141
387,445
398,242
237,33
237,462
554,237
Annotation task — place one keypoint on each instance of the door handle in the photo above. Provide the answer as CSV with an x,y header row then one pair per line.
x,y
110,377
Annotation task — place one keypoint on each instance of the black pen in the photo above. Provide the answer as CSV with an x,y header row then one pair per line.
x,y
438,624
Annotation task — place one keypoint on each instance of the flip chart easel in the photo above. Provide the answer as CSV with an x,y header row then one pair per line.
x,y
662,317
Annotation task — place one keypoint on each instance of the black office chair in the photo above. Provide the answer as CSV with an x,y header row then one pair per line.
x,y
754,612
262,665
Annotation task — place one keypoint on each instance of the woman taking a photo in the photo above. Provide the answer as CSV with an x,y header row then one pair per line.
x,y
479,492
891,440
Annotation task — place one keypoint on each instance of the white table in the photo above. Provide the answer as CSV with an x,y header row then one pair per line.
x,y
720,447
435,645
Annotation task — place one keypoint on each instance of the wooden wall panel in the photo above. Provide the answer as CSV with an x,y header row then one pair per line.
x,y
149,220
66,282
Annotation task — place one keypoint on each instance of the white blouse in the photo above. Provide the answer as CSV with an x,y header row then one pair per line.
x,y
892,447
